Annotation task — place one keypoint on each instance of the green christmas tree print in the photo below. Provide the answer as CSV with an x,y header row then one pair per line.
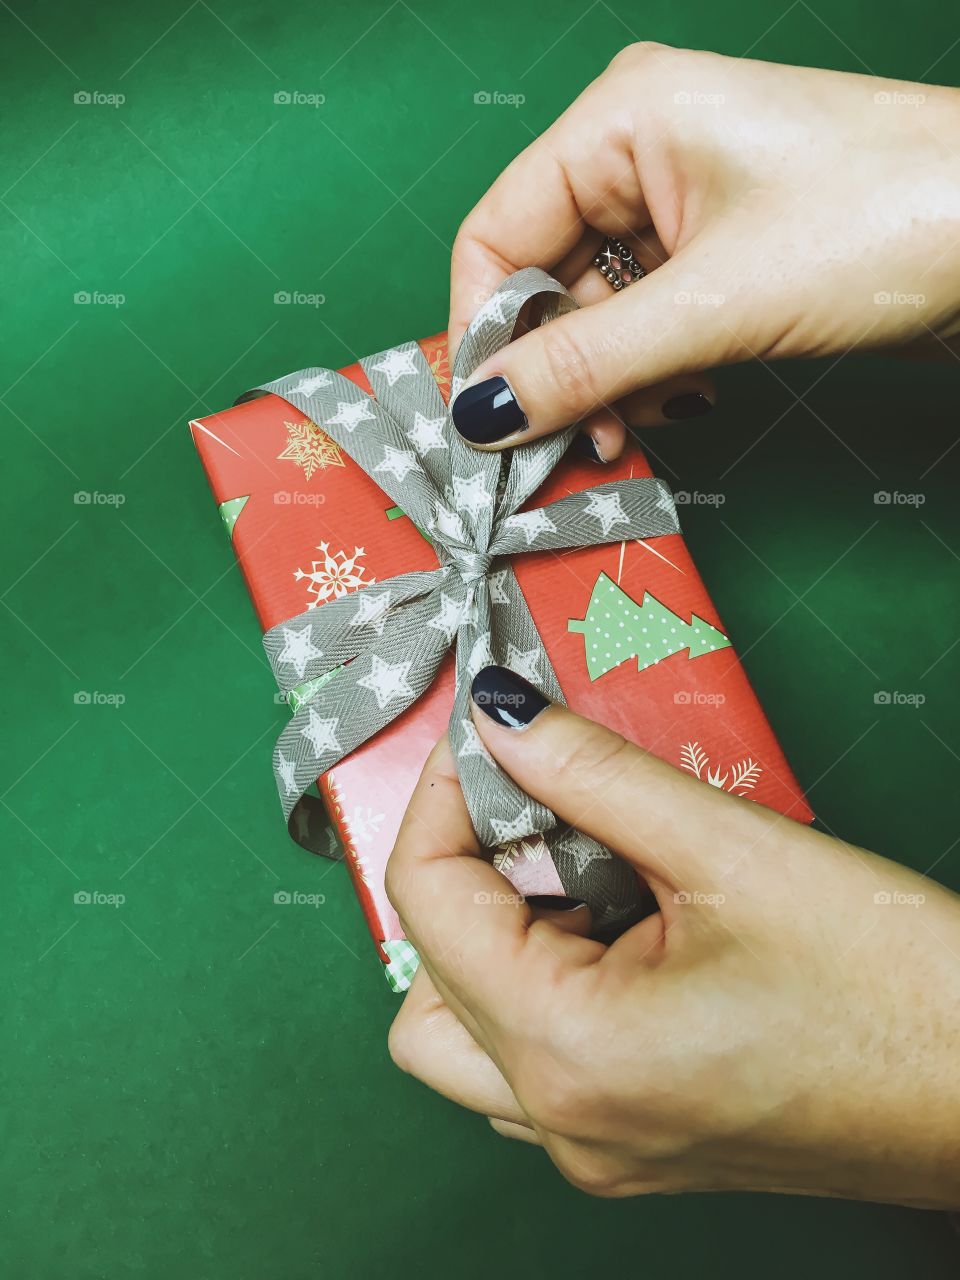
x,y
616,629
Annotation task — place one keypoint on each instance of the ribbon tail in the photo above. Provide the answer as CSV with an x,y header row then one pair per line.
x,y
362,698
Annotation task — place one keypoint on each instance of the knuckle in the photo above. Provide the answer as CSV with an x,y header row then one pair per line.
x,y
402,1043
595,1175
552,1099
638,51
568,366
593,753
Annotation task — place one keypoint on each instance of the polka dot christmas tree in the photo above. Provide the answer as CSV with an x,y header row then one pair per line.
x,y
617,629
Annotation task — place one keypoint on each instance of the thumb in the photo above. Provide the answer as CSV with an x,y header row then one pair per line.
x,y
680,834
560,372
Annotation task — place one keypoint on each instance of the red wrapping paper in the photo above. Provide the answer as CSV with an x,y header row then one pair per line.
x,y
308,524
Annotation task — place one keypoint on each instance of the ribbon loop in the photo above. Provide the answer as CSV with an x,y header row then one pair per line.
x,y
358,662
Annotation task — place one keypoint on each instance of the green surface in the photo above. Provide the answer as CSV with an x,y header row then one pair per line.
x,y
196,1083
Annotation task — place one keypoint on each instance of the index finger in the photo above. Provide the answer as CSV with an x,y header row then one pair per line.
x,y
539,207
475,932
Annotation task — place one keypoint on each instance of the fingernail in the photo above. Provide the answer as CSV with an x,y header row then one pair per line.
x,y
552,902
507,698
587,447
691,405
487,412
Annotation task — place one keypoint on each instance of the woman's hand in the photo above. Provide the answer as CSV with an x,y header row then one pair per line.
x,y
779,211
789,1020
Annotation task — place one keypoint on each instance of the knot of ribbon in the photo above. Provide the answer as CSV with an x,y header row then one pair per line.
x,y
353,664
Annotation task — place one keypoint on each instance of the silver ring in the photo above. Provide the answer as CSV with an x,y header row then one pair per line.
x,y
617,264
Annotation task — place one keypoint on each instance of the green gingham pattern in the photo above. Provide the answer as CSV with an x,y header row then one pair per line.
x,y
403,963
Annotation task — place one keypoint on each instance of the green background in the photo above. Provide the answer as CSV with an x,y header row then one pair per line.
x,y
196,1083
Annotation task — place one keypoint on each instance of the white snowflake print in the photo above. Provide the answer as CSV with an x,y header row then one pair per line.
x,y
364,823
333,575
738,779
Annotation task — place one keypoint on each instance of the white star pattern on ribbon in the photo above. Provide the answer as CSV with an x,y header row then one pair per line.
x,y
387,680
396,364
286,770
449,617
472,744
495,584
372,611
399,462
448,524
427,434
298,649
322,733
481,654
514,829
349,416
531,524
526,662
307,386
492,309
666,503
472,495
606,509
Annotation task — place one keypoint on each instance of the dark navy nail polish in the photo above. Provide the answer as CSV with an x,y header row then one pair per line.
x,y
488,412
586,446
552,902
691,405
507,698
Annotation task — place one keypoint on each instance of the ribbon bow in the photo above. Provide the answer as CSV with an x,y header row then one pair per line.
x,y
358,662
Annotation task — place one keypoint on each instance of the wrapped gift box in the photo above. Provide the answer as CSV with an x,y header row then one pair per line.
x,y
629,627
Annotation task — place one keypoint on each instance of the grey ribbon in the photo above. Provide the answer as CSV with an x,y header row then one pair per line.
x,y
355,663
